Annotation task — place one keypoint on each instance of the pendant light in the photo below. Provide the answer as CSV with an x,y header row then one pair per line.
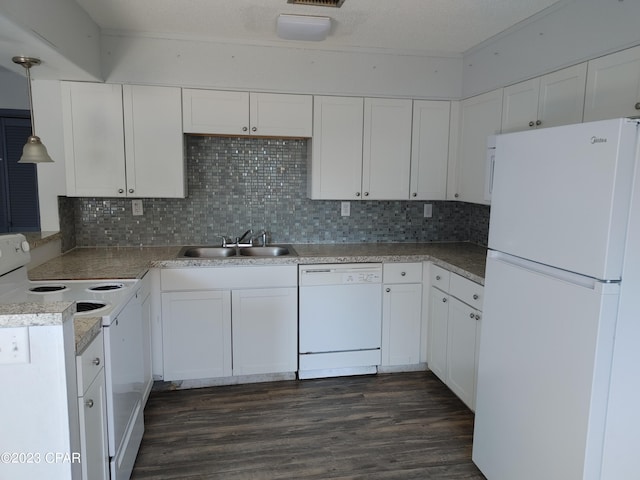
x,y
34,151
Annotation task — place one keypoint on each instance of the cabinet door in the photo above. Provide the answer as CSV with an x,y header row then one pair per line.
x,y
520,106
196,331
93,139
215,112
93,431
430,150
265,330
153,137
461,350
401,319
336,151
386,156
437,338
561,100
613,86
281,115
480,117
146,346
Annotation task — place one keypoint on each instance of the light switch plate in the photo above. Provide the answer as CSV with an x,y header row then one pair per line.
x,y
345,209
136,207
14,345
428,210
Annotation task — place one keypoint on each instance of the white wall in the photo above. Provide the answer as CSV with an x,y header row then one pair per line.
x,y
51,176
278,69
13,91
58,32
576,31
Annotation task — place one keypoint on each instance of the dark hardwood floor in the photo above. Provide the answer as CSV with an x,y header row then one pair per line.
x,y
392,426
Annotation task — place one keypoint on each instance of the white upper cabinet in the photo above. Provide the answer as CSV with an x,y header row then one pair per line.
x,y
155,165
386,161
613,86
242,113
123,141
284,115
561,100
93,139
335,170
520,105
478,118
430,150
547,101
213,111
361,149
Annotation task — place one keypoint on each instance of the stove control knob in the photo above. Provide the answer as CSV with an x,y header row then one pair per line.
x,y
25,246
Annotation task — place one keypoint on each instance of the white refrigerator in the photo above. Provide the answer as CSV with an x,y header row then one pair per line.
x,y
558,393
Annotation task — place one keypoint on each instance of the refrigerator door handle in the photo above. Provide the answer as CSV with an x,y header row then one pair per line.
x,y
601,286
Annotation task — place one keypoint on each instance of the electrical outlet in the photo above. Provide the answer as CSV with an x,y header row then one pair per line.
x,y
345,209
14,345
136,207
428,210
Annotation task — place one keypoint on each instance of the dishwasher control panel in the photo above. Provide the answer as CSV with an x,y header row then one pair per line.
x,y
340,274
362,277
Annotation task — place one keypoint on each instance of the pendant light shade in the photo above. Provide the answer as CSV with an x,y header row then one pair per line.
x,y
34,151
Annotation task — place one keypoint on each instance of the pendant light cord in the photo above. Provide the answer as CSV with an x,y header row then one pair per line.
x,y
33,123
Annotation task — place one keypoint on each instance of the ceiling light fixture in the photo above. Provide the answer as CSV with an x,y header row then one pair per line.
x,y
303,27
34,151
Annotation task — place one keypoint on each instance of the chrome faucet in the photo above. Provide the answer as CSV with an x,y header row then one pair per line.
x,y
240,239
262,235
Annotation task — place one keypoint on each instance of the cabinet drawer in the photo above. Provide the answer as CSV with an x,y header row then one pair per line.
x,y
440,278
402,272
215,278
469,292
89,363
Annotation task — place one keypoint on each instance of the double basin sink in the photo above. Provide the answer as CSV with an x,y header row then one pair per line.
x,y
222,252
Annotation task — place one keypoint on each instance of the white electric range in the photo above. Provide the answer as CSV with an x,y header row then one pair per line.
x,y
126,381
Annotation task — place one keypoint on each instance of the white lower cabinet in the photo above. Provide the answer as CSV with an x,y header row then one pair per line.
x,y
438,324
455,305
462,342
92,411
265,330
401,313
220,322
196,332
147,356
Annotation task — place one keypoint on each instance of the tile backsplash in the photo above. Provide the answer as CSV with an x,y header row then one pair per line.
x,y
261,183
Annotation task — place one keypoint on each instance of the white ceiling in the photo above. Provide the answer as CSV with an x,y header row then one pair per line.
x,y
421,26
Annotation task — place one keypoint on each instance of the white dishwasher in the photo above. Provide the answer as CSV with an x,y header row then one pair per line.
x,y
340,327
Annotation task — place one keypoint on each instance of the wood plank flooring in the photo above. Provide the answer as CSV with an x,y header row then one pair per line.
x,y
392,426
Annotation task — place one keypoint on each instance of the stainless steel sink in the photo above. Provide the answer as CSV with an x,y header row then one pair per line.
x,y
207,252
268,251
221,252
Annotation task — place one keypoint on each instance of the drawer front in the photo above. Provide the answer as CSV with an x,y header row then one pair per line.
x,y
440,278
402,272
89,363
469,292
226,278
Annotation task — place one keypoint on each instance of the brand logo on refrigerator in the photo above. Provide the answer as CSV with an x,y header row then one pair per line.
x,y
595,140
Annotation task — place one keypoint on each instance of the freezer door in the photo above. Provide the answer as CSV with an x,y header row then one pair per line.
x,y
561,195
543,373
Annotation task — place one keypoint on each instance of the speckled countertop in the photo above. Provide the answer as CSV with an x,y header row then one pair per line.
x,y
35,314
85,330
37,239
466,259
96,263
